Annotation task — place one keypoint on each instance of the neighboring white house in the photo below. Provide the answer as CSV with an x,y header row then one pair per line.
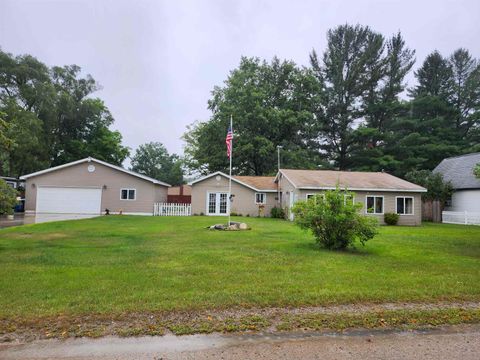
x,y
459,171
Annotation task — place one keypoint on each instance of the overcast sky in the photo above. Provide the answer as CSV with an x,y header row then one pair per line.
x,y
158,61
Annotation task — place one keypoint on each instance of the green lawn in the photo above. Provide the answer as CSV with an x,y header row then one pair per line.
x,y
120,264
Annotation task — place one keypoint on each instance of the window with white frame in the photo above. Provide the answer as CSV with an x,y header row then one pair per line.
x,y
374,204
128,194
404,205
260,198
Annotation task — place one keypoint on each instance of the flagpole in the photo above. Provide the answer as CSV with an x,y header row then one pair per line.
x,y
230,177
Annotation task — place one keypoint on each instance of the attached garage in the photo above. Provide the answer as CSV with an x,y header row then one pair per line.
x,y
91,186
69,200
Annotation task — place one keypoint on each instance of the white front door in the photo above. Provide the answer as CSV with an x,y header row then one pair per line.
x,y
217,203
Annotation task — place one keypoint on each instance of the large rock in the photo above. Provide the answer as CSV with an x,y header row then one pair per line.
x,y
243,226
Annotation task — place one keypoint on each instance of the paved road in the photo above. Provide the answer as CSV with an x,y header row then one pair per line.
x,y
461,342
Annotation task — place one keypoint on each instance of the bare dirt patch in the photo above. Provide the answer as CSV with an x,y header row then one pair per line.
x,y
328,318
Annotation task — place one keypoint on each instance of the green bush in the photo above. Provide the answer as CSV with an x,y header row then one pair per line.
x,y
8,198
277,213
334,222
233,213
391,218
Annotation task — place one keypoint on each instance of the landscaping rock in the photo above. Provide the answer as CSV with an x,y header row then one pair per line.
x,y
217,227
243,226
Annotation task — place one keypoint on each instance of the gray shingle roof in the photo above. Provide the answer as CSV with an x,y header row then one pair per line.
x,y
459,171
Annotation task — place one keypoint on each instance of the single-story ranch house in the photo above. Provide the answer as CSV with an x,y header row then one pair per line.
x,y
252,195
458,171
89,186
378,192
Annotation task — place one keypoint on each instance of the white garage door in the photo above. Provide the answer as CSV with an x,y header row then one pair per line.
x,y
65,200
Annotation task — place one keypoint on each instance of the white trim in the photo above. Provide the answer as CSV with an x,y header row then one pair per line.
x,y
90,159
70,186
233,179
404,197
375,205
264,198
128,190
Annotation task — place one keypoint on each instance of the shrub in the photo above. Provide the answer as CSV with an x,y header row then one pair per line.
x,y
277,213
391,218
334,222
8,198
233,213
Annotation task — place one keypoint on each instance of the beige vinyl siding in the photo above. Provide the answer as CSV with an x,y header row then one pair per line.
x,y
243,200
389,199
110,180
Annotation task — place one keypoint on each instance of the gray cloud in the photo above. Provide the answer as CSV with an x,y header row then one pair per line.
x,y
159,60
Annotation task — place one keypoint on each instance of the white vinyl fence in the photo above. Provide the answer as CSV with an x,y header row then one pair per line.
x,y
168,209
461,217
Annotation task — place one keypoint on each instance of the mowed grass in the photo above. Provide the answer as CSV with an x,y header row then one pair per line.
x,y
119,264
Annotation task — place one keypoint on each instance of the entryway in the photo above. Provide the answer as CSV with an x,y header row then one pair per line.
x,y
217,203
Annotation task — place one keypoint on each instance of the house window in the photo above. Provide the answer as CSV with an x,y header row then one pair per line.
x,y
11,184
310,196
374,204
128,194
404,205
260,198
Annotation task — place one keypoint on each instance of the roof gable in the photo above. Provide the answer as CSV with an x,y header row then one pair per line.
x,y
459,171
90,159
353,180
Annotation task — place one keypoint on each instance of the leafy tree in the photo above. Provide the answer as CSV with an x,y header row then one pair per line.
x,y
152,159
437,188
8,198
476,171
272,104
52,116
335,222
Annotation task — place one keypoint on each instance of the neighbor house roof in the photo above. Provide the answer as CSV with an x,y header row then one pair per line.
x,y
175,190
257,183
459,171
353,180
90,159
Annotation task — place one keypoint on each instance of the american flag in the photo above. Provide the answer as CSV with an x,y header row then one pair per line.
x,y
228,141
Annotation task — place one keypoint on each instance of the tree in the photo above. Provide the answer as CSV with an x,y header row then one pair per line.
x,y
437,188
476,171
272,104
334,220
52,117
152,159
352,66
8,198
381,107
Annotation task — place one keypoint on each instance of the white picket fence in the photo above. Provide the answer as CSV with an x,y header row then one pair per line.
x,y
169,209
461,217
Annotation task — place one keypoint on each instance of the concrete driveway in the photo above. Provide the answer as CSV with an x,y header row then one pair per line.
x,y
23,219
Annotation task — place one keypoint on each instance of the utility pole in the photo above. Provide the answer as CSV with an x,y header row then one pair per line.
x,y
278,161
